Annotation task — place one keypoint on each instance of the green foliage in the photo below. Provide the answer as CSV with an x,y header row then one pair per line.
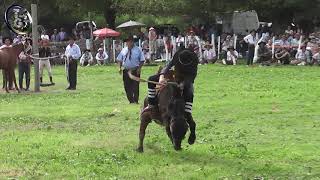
x,y
178,11
255,122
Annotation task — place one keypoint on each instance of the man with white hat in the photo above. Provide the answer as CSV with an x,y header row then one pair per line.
x,y
152,42
44,36
44,51
101,57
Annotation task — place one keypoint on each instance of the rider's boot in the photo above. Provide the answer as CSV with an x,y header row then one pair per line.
x,y
152,102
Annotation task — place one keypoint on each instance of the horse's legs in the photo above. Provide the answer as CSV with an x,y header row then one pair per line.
x,y
145,120
169,133
13,75
192,125
6,78
3,79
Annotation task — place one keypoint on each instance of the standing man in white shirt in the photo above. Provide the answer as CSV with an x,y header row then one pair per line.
x,y
251,41
152,42
73,54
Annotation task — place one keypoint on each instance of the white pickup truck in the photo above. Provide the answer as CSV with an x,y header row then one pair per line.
x,y
240,22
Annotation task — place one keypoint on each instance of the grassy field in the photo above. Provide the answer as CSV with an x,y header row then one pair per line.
x,y
252,123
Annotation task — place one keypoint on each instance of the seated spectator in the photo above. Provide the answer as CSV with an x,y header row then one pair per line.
x,y
283,56
232,57
264,54
301,57
294,45
209,54
101,57
309,55
316,57
86,59
225,45
284,41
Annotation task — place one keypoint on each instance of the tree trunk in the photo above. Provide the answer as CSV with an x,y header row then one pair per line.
x,y
110,17
110,13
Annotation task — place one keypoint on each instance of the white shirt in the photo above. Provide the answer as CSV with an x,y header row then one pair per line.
x,y
103,56
44,36
233,57
288,31
73,51
180,40
226,44
152,35
22,56
86,57
250,39
209,54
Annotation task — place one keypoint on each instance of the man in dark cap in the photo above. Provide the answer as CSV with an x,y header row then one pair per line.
x,y
131,58
73,54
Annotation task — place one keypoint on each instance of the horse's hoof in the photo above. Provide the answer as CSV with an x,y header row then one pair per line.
x,y
140,149
192,139
177,148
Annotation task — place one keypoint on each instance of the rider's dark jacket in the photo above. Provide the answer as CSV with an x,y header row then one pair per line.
x,y
185,62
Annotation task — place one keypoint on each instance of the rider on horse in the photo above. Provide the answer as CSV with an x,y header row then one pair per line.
x,y
185,63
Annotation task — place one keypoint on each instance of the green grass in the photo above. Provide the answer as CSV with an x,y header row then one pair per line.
x,y
252,122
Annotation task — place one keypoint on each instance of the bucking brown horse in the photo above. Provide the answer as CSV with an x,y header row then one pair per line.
x,y
8,62
170,114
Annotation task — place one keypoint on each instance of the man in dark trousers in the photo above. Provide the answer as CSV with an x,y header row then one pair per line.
x,y
24,65
131,58
251,41
185,63
73,54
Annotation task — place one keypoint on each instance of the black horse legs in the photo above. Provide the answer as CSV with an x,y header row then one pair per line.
x,y
145,120
192,125
169,133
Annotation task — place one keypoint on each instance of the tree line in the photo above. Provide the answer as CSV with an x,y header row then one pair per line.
x,y
63,12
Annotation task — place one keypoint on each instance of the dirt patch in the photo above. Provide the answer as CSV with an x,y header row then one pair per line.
x,y
11,173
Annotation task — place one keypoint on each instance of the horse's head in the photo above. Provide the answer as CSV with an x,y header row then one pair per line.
x,y
178,124
22,47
